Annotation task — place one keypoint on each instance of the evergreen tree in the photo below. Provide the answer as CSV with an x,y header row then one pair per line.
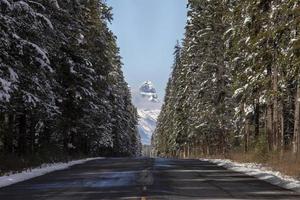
x,y
237,84
62,91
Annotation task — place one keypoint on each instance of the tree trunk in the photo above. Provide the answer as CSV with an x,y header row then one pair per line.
x,y
269,126
8,132
281,130
256,120
22,143
296,122
246,136
269,113
275,122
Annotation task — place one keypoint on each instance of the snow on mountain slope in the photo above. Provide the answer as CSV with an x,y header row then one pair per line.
x,y
147,124
148,106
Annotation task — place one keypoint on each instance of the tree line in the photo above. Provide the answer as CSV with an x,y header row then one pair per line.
x,y
235,84
62,91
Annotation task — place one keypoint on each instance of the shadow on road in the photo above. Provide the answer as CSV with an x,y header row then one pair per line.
x,y
144,178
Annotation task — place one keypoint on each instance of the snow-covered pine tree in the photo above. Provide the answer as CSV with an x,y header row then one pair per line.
x,y
62,91
237,85
200,107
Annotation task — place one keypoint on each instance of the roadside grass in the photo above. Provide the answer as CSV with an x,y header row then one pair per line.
x,y
285,162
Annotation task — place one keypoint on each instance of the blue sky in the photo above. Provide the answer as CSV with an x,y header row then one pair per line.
x,y
147,31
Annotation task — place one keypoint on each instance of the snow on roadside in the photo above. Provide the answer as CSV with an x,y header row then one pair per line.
x,y
42,170
260,172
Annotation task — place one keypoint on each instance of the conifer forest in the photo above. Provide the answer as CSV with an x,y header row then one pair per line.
x,y
97,103
235,82
234,86
62,91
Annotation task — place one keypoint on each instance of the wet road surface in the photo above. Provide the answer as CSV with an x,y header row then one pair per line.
x,y
144,178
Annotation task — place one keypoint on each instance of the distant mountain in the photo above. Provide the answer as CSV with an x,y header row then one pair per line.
x,y
147,90
148,105
147,124
145,97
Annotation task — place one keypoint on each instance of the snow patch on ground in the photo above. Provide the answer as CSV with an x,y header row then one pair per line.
x,y
260,172
44,169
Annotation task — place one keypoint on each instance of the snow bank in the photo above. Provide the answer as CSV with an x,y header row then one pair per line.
x,y
260,172
44,169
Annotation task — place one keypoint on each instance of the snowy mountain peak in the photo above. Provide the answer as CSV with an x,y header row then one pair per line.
x,y
145,97
147,87
147,90
148,105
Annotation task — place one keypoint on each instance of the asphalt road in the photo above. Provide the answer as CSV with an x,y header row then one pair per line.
x,y
144,178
